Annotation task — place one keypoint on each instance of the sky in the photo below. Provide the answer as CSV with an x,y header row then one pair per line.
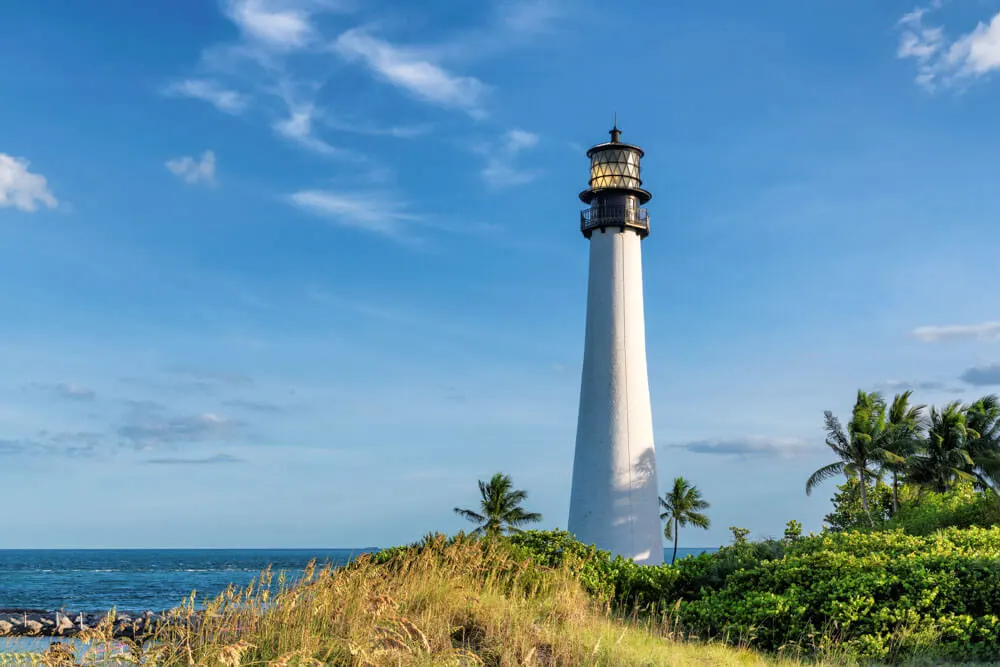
x,y
298,273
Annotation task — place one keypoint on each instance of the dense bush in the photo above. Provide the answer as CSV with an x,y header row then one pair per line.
x,y
616,581
962,507
848,513
880,594
628,586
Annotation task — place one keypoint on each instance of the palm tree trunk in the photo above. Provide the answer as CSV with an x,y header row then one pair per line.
x,y
676,528
895,493
864,496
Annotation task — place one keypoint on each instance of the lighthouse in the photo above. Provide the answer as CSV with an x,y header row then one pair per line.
x,y
614,500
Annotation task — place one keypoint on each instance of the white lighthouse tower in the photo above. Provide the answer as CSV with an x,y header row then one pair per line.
x,y
614,503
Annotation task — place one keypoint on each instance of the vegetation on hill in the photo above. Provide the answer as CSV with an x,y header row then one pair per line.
x,y
448,601
933,450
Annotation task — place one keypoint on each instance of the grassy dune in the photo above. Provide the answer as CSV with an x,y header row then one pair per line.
x,y
468,603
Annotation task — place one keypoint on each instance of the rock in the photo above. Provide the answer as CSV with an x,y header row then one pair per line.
x,y
46,621
6,628
65,625
33,628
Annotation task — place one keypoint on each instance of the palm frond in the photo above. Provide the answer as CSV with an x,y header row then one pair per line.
x,y
823,474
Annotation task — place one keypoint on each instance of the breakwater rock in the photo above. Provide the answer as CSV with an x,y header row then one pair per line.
x,y
37,623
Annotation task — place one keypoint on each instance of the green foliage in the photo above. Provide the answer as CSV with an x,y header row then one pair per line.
x,y
699,575
617,581
848,512
793,530
880,595
682,505
739,534
500,508
862,448
961,507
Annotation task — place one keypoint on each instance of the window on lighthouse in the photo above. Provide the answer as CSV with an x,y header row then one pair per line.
x,y
614,168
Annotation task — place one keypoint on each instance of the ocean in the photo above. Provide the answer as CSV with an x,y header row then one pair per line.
x,y
135,580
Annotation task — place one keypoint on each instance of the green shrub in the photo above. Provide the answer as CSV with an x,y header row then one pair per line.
x,y
880,595
962,507
848,514
617,581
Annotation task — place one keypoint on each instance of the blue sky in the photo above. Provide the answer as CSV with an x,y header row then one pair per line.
x,y
299,272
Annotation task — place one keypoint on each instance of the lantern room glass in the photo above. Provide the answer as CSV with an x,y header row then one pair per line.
x,y
614,168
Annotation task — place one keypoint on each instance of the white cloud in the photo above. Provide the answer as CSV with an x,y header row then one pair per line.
x,y
371,212
500,170
194,171
276,24
979,51
209,90
412,72
982,331
22,189
298,127
943,63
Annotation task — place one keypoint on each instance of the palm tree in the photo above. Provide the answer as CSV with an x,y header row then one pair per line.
x,y
945,457
901,439
682,505
983,417
500,508
860,448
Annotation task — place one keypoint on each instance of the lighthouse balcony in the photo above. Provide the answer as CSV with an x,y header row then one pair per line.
x,y
614,216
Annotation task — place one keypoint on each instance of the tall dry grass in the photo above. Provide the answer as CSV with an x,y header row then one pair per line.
x,y
464,603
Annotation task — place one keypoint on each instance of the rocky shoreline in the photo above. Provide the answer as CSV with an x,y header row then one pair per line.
x,y
38,623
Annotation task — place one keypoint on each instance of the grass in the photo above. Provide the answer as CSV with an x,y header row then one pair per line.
x,y
463,603
466,603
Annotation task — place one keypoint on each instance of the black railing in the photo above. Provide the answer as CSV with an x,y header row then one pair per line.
x,y
614,216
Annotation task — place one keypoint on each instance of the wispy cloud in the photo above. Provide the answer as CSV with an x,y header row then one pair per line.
x,y
212,376
942,62
69,390
986,331
211,91
73,391
145,431
500,170
194,171
377,213
751,446
255,406
189,381
208,460
529,16
918,385
279,25
22,189
412,71
14,446
58,444
298,127
982,376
